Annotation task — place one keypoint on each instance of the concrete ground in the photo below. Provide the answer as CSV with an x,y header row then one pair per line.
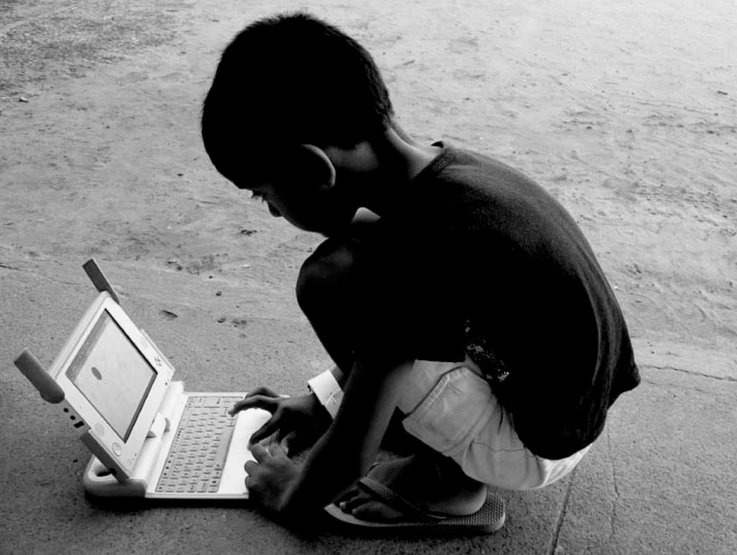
x,y
99,156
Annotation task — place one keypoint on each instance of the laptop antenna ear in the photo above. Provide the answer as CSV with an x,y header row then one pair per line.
x,y
39,377
98,279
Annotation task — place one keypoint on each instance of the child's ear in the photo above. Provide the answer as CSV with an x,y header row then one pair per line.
x,y
317,166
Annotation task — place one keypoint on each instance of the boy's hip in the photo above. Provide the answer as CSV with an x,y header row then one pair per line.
x,y
451,408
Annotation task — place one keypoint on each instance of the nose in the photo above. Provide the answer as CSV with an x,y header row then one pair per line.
x,y
274,211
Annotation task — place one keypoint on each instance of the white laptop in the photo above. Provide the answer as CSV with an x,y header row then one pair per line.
x,y
148,436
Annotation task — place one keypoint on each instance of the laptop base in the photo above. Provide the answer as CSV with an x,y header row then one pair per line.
x,y
100,482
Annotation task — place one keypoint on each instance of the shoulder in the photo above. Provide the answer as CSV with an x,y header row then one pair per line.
x,y
467,164
469,181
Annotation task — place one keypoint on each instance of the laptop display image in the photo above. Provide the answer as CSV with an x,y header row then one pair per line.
x,y
112,375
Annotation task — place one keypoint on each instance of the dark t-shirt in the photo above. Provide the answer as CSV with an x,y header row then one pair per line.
x,y
476,258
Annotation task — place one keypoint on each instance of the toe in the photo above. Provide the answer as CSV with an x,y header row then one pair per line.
x,y
348,495
375,511
351,503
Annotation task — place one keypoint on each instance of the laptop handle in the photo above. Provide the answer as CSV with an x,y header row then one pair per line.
x,y
94,272
32,369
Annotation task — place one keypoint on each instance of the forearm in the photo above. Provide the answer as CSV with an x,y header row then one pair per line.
x,y
348,448
329,469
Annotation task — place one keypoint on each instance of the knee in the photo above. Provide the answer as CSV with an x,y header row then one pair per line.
x,y
326,274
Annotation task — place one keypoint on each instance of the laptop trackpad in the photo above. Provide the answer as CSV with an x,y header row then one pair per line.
x,y
234,476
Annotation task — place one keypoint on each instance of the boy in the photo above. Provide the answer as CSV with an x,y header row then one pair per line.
x,y
467,300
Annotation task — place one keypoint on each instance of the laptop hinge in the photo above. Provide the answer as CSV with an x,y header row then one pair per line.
x,y
170,404
159,426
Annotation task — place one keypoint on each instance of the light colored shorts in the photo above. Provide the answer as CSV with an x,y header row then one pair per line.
x,y
451,408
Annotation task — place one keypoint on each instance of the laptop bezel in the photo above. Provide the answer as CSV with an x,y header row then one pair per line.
x,y
123,452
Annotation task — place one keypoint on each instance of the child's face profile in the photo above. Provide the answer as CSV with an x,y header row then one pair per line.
x,y
300,186
319,209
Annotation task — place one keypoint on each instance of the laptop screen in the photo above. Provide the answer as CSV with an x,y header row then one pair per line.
x,y
112,374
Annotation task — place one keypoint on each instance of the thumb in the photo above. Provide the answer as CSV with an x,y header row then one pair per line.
x,y
259,452
276,450
290,443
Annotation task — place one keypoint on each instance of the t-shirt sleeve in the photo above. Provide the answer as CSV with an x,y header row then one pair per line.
x,y
410,297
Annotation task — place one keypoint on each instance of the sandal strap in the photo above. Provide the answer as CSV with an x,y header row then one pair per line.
x,y
393,499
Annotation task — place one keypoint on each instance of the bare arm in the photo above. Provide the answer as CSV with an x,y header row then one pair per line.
x,y
342,455
348,448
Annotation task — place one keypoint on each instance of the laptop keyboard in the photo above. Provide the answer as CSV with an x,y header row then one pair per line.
x,y
197,457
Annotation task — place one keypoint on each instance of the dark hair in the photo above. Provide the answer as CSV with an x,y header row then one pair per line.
x,y
291,79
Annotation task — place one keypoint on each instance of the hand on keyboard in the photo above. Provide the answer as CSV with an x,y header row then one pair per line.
x,y
297,422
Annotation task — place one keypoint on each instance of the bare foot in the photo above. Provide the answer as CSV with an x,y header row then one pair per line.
x,y
433,483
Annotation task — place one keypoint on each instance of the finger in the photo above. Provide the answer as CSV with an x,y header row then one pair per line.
x,y
261,390
271,426
250,466
291,444
256,402
259,452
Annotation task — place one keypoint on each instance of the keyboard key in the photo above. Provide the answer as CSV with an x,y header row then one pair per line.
x,y
197,455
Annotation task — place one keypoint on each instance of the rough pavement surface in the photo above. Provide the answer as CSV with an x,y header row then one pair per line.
x,y
626,112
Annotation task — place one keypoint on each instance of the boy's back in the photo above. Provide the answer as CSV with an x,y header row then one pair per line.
x,y
488,263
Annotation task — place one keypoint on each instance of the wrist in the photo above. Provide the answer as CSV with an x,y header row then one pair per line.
x,y
299,509
291,512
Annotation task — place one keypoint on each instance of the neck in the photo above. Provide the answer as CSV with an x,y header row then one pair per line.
x,y
409,156
386,166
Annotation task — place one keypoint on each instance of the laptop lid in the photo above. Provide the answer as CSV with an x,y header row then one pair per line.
x,y
114,381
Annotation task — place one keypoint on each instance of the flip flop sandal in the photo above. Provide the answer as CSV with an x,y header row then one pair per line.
x,y
488,519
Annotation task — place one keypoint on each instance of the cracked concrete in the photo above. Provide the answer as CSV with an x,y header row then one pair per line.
x,y
694,373
554,547
663,467
615,486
